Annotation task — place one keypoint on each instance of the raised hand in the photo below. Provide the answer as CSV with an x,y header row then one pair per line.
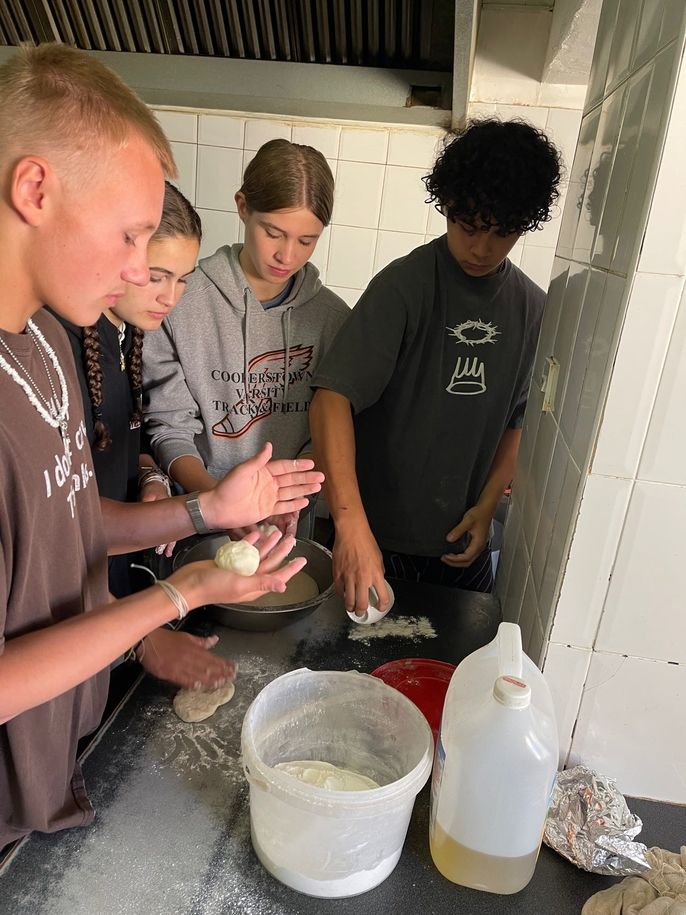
x,y
258,488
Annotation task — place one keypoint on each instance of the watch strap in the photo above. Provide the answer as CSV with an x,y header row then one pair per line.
x,y
195,512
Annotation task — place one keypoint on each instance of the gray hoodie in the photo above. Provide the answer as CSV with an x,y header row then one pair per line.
x,y
222,376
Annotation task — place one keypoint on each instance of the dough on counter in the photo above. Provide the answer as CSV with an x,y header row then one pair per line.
x,y
199,704
302,587
238,556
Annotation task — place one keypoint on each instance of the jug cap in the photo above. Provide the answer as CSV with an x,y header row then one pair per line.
x,y
512,692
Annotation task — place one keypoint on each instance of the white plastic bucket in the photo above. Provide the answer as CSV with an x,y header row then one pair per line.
x,y
333,843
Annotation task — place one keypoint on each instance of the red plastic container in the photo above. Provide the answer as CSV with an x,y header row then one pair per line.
x,y
422,680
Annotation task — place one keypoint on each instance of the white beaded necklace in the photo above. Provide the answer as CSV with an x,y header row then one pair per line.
x,y
52,412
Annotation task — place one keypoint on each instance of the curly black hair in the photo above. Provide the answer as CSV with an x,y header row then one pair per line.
x,y
503,174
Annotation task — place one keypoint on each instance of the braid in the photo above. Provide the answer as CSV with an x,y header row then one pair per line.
x,y
91,361
135,370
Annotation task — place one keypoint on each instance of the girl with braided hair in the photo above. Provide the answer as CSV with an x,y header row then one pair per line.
x,y
109,365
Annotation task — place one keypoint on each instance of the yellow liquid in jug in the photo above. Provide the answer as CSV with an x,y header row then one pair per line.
x,y
479,871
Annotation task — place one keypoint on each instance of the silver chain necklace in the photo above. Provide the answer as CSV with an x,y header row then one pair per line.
x,y
51,411
121,334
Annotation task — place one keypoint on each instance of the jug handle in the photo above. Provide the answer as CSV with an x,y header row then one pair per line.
x,y
509,650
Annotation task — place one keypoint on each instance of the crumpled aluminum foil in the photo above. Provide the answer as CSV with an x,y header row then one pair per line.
x,y
590,824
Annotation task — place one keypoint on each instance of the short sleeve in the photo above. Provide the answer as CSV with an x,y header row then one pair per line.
x,y
364,354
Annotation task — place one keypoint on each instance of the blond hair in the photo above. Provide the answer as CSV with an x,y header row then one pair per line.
x,y
284,175
61,103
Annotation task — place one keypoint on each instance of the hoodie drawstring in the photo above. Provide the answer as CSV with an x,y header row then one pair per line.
x,y
246,294
286,322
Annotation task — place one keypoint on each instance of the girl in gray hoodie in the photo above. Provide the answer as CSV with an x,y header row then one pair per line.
x,y
231,366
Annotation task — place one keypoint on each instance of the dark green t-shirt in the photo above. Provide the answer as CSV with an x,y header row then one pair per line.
x,y
436,365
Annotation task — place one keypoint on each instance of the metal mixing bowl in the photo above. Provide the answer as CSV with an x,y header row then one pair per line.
x,y
263,619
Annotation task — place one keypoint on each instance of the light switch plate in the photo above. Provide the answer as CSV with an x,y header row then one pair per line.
x,y
551,372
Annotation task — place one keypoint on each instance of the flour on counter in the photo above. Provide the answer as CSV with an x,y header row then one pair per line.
x,y
399,627
193,749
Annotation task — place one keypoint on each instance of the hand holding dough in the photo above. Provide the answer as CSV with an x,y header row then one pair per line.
x,y
238,556
199,704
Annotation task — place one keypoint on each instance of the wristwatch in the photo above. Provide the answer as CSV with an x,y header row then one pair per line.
x,y
194,510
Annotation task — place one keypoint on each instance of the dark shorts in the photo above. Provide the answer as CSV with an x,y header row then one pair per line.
x,y
476,577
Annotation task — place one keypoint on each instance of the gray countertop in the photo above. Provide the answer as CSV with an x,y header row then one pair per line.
x,y
172,832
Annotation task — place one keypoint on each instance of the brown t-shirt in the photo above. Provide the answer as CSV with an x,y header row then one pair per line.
x,y
53,565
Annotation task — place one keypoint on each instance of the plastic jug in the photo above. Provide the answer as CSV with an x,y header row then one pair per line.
x,y
494,768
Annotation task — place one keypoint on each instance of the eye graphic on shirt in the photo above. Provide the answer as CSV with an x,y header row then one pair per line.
x,y
474,333
469,376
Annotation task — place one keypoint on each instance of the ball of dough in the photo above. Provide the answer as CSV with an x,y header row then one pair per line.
x,y
238,556
199,704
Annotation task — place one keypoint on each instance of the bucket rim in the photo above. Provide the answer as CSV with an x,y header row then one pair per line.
x,y
286,786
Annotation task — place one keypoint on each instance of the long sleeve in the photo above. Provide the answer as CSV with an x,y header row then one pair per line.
x,y
172,416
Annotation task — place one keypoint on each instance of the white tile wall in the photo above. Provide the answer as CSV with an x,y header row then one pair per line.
x,y
220,130
644,609
537,477
640,187
647,326
220,171
617,180
218,228
565,670
378,172
549,506
416,149
578,176
360,145
349,296
609,578
595,380
392,245
537,262
563,528
259,131
519,572
179,125
358,194
323,138
320,258
185,155
579,357
629,725
628,16
351,256
437,222
403,208
664,245
591,560
601,53
663,454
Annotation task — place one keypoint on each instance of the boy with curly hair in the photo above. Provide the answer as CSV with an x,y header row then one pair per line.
x,y
417,416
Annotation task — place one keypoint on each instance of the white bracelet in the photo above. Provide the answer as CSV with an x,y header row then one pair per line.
x,y
175,596
154,476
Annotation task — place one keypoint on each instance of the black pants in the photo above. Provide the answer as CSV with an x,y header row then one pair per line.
x,y
476,577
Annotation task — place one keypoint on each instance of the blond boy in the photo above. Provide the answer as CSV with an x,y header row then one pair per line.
x,y
82,166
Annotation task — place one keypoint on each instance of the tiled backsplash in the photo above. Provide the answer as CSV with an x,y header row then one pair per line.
x,y
380,211
598,587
